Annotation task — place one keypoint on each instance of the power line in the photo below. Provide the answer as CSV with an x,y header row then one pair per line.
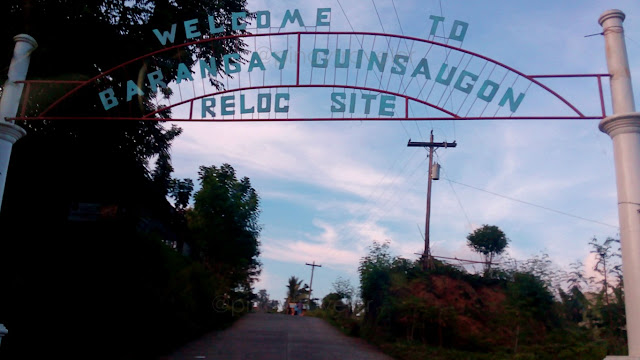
x,y
405,44
381,201
457,197
388,47
535,205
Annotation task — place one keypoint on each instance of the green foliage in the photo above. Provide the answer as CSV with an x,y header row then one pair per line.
x,y
488,240
606,313
528,294
104,162
161,174
574,304
375,279
409,350
604,263
295,291
110,32
180,191
576,277
333,304
224,223
446,313
265,304
344,288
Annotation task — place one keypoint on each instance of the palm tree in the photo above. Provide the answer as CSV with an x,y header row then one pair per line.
x,y
295,291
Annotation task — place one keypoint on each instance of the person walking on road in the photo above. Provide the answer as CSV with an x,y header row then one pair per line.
x,y
299,308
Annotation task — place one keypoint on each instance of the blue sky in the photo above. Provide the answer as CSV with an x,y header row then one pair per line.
x,y
329,189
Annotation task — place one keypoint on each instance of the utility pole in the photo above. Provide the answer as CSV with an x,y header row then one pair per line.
x,y
313,267
431,145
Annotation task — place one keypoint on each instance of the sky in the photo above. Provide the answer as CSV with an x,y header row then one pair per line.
x,y
330,189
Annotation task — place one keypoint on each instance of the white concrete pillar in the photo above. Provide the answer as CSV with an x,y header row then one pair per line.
x,y
624,129
10,100
3,332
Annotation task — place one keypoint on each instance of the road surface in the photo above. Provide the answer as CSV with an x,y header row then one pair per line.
x,y
278,337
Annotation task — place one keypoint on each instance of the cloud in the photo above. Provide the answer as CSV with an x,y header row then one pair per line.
x,y
351,183
323,247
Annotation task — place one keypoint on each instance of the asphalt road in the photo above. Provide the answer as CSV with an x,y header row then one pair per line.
x,y
278,337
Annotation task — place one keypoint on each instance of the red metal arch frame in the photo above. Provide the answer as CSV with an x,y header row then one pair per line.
x,y
151,116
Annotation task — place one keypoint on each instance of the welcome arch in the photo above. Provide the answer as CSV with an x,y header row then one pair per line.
x,y
375,69
623,126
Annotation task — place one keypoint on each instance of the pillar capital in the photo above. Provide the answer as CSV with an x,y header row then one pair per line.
x,y
620,124
10,132
611,14
27,39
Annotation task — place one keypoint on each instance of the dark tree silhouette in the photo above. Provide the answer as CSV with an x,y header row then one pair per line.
x,y
85,215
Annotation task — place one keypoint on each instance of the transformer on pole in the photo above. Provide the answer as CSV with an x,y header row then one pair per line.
x,y
434,174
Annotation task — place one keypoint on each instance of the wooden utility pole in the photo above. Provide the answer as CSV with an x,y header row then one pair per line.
x,y
313,267
431,145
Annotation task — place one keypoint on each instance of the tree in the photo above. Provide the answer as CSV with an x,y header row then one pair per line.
x,y
529,297
224,225
99,161
263,300
542,267
161,174
375,278
333,304
180,191
62,164
604,264
343,288
111,32
488,240
576,277
296,291
574,304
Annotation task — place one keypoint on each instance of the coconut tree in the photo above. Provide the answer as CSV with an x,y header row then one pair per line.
x,y
296,292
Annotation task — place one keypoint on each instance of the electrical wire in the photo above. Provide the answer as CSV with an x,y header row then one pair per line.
x,y
389,47
534,205
383,203
410,60
466,216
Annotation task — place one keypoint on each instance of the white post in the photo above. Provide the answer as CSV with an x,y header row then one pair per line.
x,y
3,332
624,129
10,100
